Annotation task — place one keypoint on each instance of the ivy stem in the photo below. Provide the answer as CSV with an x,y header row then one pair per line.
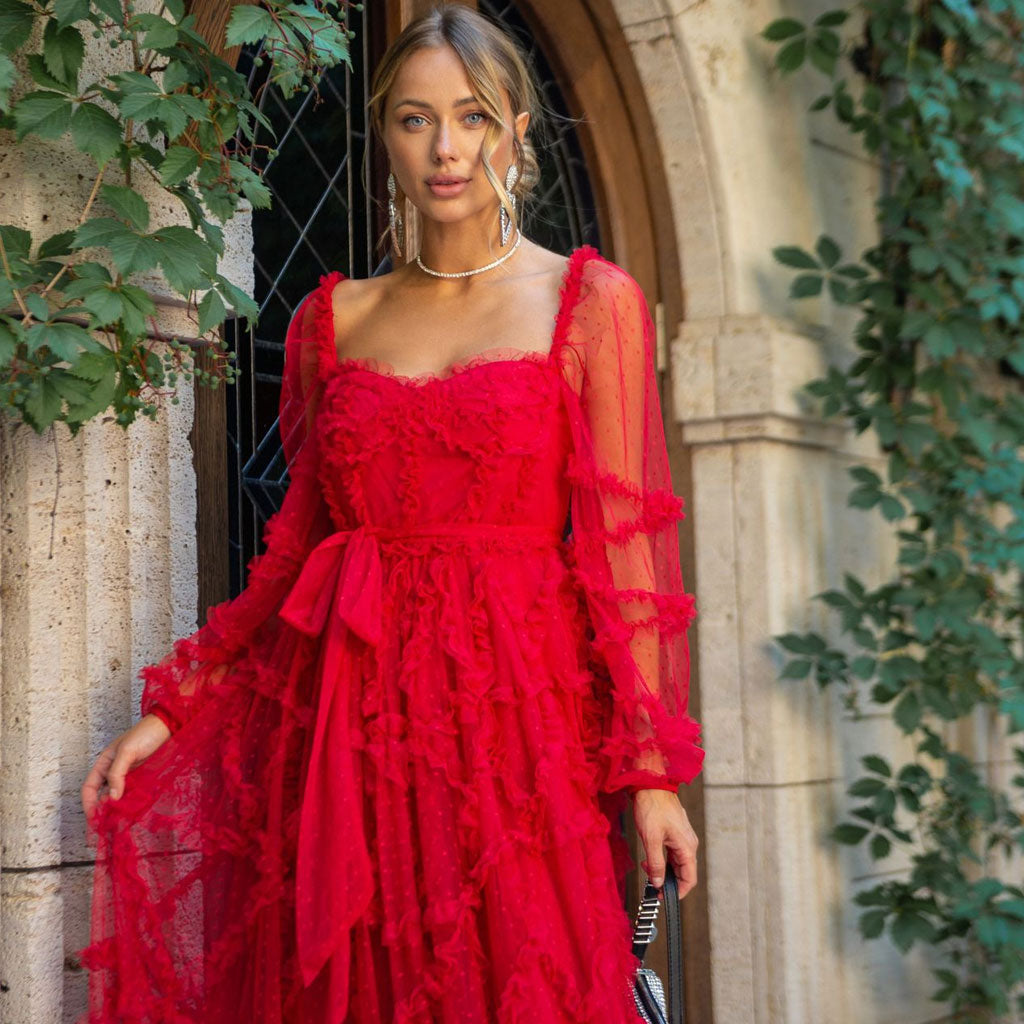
x,y
81,220
148,66
26,315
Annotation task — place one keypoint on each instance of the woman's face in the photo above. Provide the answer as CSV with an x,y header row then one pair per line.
x,y
433,127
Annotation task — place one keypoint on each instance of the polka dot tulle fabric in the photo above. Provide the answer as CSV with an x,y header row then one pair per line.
x,y
398,758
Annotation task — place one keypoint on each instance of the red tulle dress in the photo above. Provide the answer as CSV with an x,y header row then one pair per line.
x,y
392,790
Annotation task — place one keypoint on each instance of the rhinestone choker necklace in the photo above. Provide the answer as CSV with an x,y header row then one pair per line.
x,y
478,270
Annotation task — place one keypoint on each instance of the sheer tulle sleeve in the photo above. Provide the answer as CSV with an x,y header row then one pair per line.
x,y
625,545
197,665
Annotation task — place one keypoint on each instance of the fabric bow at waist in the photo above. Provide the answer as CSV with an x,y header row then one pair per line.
x,y
339,592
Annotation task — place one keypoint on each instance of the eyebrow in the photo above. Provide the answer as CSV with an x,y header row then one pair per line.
x,y
427,106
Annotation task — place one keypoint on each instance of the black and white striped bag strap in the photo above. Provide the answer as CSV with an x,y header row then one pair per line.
x,y
648,990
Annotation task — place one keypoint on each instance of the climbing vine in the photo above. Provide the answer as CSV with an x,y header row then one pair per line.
x,y
78,333
936,90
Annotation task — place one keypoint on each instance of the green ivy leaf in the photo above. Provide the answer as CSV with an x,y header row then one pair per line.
x,y
111,8
220,201
98,231
63,51
865,787
37,305
42,77
133,253
42,404
212,311
798,669
178,164
104,303
95,365
827,250
872,923
95,132
8,344
186,261
140,98
242,304
64,340
251,184
805,285
16,22
793,256
880,846
179,74
822,52
161,34
8,76
72,389
46,114
783,28
877,764
57,245
831,19
136,306
96,395
849,834
128,204
17,241
792,55
908,927
863,666
67,12
907,711
249,24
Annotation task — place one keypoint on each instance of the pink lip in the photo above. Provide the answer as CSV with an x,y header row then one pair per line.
x,y
452,188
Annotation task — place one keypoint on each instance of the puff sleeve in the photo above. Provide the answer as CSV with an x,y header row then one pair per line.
x,y
178,686
625,545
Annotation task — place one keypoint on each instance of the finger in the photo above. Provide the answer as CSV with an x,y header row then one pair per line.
x,y
655,864
115,777
684,863
91,786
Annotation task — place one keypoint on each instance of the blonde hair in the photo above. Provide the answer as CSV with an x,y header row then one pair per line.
x,y
493,61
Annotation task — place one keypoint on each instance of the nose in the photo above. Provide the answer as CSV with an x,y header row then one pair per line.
x,y
444,146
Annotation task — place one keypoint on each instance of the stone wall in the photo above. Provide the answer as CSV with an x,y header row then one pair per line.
x,y
97,579
750,168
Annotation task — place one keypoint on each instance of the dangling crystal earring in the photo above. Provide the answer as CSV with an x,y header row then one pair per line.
x,y
395,219
506,222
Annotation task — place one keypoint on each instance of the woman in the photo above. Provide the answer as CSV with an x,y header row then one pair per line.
x,y
379,785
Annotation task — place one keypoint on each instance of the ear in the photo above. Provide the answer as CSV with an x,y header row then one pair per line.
x,y
522,121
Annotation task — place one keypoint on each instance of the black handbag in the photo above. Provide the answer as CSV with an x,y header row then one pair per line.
x,y
648,991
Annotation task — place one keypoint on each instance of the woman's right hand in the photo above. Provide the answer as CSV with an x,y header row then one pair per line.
x,y
114,762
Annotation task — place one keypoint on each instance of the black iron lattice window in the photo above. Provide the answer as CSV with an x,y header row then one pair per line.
x,y
322,220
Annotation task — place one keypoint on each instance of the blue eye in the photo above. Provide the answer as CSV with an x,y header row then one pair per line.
x,y
475,113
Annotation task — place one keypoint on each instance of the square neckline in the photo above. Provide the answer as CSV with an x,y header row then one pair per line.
x,y
330,363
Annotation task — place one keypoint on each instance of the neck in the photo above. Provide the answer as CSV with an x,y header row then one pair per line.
x,y
451,247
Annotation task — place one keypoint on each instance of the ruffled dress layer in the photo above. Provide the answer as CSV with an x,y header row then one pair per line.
x,y
398,758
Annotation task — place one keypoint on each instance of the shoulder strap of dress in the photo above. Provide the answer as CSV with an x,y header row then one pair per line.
x,y
323,322
567,339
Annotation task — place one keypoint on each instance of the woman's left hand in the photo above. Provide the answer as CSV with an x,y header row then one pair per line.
x,y
662,822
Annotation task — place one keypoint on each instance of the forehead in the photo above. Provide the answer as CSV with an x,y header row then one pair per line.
x,y
435,75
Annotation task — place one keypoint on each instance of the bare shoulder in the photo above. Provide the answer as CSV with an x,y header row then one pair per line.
x,y
544,262
354,300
